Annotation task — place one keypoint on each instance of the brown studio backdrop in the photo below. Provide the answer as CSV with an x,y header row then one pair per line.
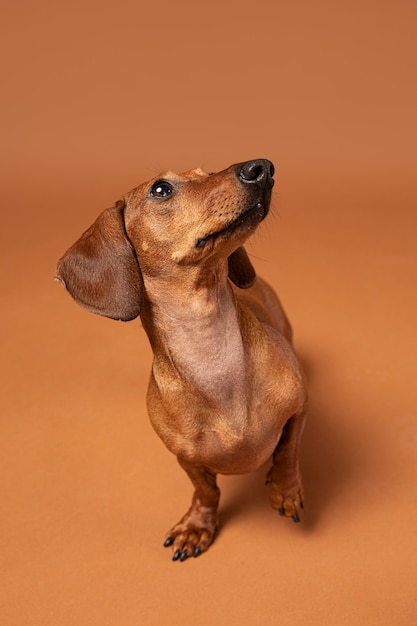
x,y
97,98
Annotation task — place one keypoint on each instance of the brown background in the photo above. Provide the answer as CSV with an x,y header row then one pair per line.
x,y
99,96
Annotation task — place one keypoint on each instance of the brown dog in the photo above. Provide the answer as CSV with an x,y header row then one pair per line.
x,y
226,391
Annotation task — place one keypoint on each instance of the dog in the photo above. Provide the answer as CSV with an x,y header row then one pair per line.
x,y
226,390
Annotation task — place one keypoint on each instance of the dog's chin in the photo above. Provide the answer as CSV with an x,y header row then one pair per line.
x,y
242,226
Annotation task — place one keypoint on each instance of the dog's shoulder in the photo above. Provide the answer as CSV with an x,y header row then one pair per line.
x,y
262,301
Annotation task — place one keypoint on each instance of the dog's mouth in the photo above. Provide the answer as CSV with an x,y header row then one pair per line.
x,y
247,218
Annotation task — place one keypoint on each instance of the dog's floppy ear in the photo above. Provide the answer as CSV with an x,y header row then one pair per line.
x,y
241,270
101,271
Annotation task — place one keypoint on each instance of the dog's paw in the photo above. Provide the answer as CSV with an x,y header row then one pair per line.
x,y
285,495
190,540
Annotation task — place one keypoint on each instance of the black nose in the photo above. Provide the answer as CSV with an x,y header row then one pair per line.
x,y
258,172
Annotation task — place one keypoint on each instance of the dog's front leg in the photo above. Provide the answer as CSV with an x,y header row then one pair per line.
x,y
195,531
284,478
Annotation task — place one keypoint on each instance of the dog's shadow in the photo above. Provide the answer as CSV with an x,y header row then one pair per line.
x,y
328,466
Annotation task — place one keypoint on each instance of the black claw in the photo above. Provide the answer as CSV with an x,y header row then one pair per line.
x,y
184,556
281,512
296,518
197,552
168,542
177,555
267,481
302,504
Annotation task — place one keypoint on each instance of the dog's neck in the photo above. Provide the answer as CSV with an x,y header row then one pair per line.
x,y
188,295
192,322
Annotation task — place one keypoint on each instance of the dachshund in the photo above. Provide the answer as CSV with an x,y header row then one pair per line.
x,y
226,390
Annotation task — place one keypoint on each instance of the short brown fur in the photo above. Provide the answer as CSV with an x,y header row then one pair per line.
x,y
226,391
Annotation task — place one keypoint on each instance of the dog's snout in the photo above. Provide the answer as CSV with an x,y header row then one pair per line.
x,y
258,172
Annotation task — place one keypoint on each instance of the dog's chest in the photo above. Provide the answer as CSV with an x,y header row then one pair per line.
x,y
209,355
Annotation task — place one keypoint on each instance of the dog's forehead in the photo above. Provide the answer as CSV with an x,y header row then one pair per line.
x,y
193,174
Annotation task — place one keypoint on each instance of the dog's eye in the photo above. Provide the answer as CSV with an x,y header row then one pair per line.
x,y
161,189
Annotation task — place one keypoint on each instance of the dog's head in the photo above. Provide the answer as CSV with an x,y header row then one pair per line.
x,y
174,220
